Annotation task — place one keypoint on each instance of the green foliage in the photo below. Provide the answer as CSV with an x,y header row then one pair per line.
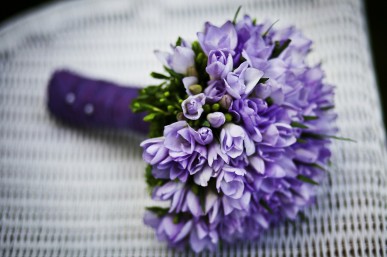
x,y
306,180
263,80
265,205
236,14
295,124
159,211
279,48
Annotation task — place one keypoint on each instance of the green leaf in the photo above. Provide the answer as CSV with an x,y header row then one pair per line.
x,y
179,41
307,180
312,135
322,137
195,189
159,211
308,118
176,219
149,117
263,80
152,108
296,124
236,14
269,101
278,48
301,141
196,47
267,31
173,73
151,180
341,138
206,124
326,108
264,204
158,75
315,165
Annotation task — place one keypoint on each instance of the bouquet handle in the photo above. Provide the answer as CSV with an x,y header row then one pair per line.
x,y
85,102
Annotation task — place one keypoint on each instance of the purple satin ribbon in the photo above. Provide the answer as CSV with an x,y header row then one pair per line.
x,y
85,102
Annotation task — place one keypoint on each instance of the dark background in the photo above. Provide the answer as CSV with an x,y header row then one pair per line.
x,y
377,23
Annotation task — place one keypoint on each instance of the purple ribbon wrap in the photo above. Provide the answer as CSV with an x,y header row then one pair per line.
x,y
85,102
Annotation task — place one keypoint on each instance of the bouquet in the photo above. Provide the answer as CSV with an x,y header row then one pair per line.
x,y
240,129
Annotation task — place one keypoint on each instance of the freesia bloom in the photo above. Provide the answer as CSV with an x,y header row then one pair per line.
x,y
180,60
242,81
235,141
240,144
215,91
192,106
220,63
215,38
216,119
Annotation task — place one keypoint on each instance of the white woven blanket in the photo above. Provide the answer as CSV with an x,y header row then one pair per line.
x,y
66,192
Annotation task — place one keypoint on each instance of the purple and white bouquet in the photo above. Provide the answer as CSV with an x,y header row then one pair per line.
x,y
240,130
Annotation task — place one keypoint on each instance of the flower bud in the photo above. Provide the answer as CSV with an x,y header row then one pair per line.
x,y
219,63
191,71
215,107
203,135
225,101
170,108
216,119
195,89
193,106
228,117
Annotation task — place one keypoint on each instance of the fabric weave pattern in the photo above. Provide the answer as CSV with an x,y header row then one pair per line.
x,y
66,192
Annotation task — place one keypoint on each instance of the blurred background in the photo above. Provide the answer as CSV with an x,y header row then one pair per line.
x,y
377,22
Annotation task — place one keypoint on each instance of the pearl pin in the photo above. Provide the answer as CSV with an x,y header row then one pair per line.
x,y
89,109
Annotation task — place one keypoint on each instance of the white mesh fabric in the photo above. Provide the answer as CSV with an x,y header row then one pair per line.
x,y
66,192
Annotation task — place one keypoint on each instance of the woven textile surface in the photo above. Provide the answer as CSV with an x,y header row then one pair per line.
x,y
73,192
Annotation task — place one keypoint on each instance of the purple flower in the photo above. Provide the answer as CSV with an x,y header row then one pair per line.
x,y
180,61
204,236
272,89
184,200
202,177
230,181
234,141
167,191
154,150
230,205
257,51
168,230
300,45
178,139
215,38
216,157
203,135
186,157
172,169
219,64
246,111
285,135
215,90
192,106
216,119
245,28
242,81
